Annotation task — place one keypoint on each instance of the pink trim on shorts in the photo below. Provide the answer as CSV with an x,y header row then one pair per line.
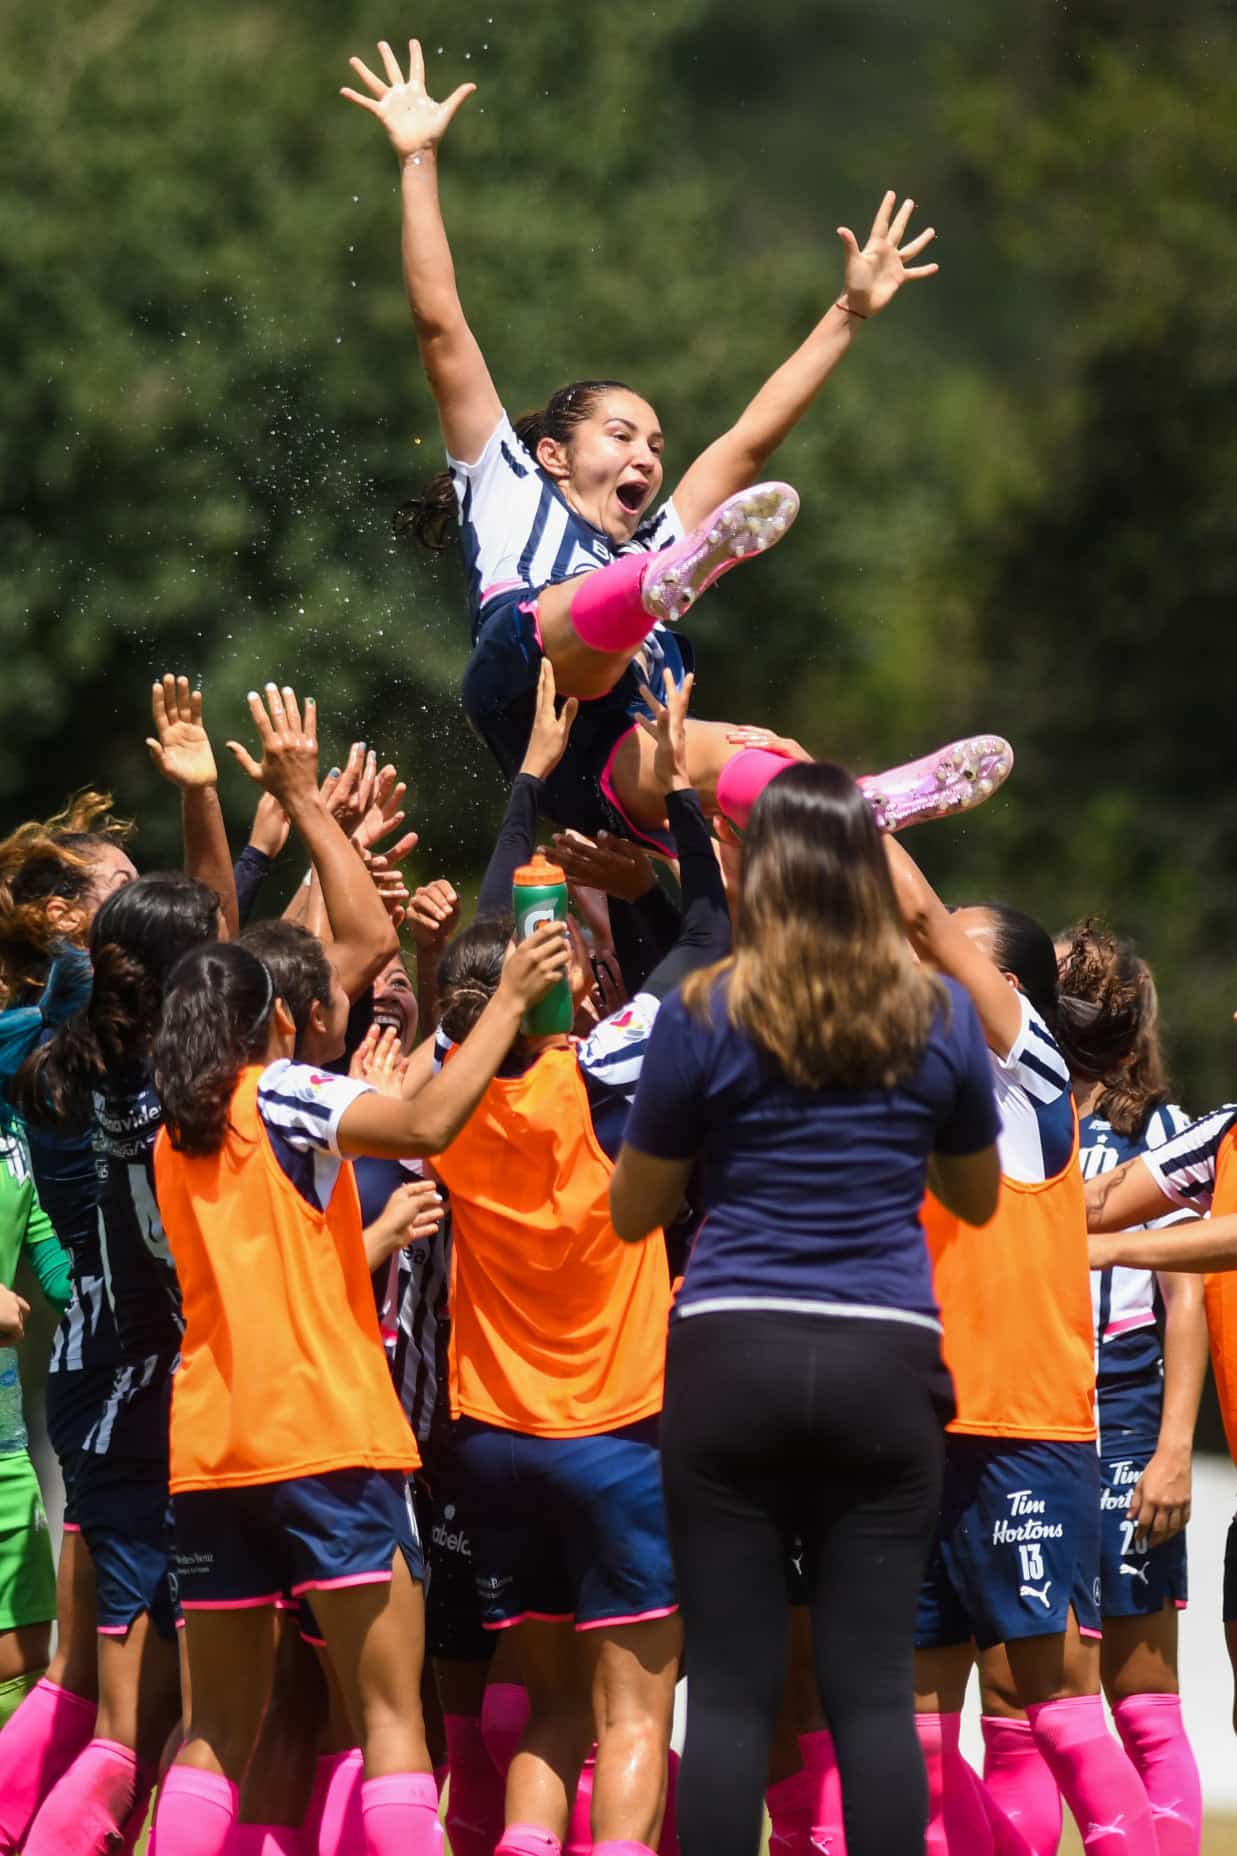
x,y
115,1630
315,1643
500,586
1181,1604
1084,1631
533,609
637,1617
334,1585
230,1604
607,787
179,1622
539,1617
70,1527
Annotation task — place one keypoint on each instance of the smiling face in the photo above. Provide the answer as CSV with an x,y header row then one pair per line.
x,y
395,1002
610,469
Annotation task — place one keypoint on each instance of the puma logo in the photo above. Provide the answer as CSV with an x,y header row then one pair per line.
x,y
1136,1572
1035,1591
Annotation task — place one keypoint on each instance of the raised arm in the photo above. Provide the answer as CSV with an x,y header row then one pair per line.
x,y
468,405
874,275
181,750
363,938
1131,1195
517,835
937,939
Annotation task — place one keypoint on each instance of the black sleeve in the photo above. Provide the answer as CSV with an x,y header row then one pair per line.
x,y
249,872
517,840
704,935
644,931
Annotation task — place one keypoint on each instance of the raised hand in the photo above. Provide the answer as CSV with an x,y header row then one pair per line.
x,y
289,764
536,965
548,741
413,1214
668,728
433,915
876,274
269,831
614,865
751,735
410,116
379,1060
181,747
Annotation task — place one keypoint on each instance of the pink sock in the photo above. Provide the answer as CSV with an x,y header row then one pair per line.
x,y
267,1840
820,1762
475,1800
87,1809
790,1804
1095,1775
333,1821
580,1824
504,1716
957,1821
37,1746
135,1823
606,610
622,1846
527,1840
400,1814
196,1813
1153,1734
668,1842
1020,1784
743,779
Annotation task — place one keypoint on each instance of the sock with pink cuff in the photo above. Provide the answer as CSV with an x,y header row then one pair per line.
x,y
622,1846
400,1815
333,1825
504,1716
196,1813
606,609
580,1824
1153,1734
1096,1777
820,1762
88,1808
790,1806
268,1840
743,779
668,1842
528,1840
37,1747
475,1800
957,1820
1020,1783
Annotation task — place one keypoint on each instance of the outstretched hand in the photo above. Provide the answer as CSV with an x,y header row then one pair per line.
x,y
410,116
876,274
551,726
668,728
289,764
180,747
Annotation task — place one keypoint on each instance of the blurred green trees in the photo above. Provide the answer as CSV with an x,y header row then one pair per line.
x,y
1018,491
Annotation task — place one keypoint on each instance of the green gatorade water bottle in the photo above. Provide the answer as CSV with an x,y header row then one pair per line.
x,y
539,894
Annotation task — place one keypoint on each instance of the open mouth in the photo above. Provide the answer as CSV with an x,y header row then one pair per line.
x,y
632,496
390,1018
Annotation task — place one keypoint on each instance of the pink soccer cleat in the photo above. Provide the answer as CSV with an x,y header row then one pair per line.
x,y
744,525
952,780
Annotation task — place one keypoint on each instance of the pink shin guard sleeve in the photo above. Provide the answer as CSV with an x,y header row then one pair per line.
x,y
820,1762
580,1824
1020,1783
1097,1779
1153,1734
668,1842
957,1820
37,1746
196,1814
86,1811
504,1716
528,1840
333,1821
744,778
268,1840
606,608
400,1815
475,1799
622,1846
790,1805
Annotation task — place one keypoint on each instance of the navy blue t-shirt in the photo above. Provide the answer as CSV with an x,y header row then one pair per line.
x,y
809,1195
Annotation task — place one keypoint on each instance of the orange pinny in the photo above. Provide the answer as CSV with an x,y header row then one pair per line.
x,y
282,1369
1015,1299
558,1328
1220,1296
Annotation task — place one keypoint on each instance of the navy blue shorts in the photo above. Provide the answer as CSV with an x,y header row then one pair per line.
x,y
1136,1579
261,1545
453,1628
565,1527
74,1400
499,694
125,1518
1018,1544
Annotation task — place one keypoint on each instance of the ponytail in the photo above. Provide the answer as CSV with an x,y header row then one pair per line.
x,y
430,517
216,1019
1110,1014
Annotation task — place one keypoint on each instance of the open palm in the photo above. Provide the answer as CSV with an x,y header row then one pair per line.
x,y
181,747
875,274
411,117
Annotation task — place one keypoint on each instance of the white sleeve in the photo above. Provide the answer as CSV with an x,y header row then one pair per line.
x,y
612,1055
1184,1168
662,527
1034,1062
499,497
304,1107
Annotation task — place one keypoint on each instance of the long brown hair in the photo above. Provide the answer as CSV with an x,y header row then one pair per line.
x,y
822,976
1109,1000
41,859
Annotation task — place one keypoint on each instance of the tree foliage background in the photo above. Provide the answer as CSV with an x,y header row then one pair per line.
x,y
1018,492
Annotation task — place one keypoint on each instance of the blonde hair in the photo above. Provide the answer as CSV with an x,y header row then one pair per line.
x,y
42,859
822,976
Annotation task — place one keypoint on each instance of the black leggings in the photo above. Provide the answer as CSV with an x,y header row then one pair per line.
x,y
825,1430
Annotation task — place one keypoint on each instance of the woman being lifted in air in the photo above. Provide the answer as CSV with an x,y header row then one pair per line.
x,y
570,553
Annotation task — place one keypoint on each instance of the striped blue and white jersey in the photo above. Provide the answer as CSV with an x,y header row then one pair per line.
x,y
301,1109
1124,1302
1032,1089
518,532
138,1272
1184,1168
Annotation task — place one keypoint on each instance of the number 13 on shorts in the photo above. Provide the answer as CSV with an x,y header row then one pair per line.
x,y
1032,1562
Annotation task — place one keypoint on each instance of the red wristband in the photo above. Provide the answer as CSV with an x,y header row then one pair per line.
x,y
848,311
